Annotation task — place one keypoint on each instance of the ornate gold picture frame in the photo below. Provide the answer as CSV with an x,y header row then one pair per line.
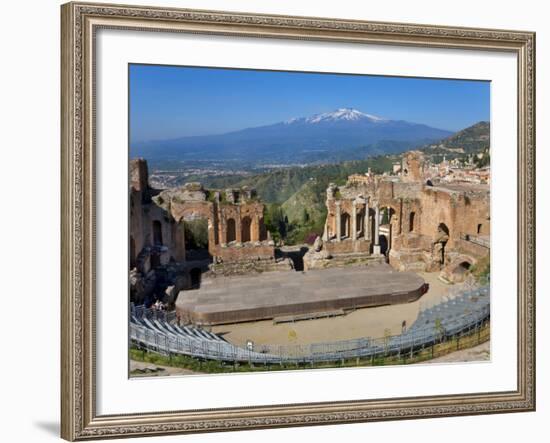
x,y
80,22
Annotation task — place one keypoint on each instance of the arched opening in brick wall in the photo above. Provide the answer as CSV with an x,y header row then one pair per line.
x,y
359,223
345,224
442,239
196,238
443,229
460,271
384,244
231,234
246,224
386,215
389,224
263,230
479,228
412,216
157,233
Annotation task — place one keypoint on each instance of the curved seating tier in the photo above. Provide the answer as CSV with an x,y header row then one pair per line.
x,y
159,332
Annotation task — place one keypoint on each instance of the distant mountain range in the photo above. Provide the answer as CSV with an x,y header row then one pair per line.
x,y
345,134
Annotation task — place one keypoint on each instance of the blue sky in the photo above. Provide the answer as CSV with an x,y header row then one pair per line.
x,y
169,102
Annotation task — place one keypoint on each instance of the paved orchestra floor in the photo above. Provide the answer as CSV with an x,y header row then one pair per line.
x,y
273,294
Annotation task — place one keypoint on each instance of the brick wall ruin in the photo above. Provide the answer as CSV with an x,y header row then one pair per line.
x,y
417,220
418,224
236,229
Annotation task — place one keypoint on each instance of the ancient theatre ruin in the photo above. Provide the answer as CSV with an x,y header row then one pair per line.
x,y
380,231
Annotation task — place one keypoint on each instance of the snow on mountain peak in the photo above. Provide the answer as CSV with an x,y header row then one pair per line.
x,y
346,114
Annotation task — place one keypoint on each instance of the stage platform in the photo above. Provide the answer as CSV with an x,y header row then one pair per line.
x,y
224,300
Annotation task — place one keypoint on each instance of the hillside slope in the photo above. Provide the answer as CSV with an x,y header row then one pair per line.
x,y
307,203
471,140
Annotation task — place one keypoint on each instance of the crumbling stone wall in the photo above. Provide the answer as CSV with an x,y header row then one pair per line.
x,y
158,214
157,232
428,224
413,166
155,237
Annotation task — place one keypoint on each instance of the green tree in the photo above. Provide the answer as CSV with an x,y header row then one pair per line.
x,y
196,234
274,221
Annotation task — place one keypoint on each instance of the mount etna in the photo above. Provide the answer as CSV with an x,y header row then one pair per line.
x,y
345,134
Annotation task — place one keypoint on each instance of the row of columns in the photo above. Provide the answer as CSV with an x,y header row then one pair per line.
x,y
366,225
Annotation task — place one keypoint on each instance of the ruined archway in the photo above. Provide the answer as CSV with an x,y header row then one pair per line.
x,y
389,225
345,224
359,223
262,229
384,244
443,229
371,224
458,270
463,267
440,243
196,238
388,213
231,234
246,224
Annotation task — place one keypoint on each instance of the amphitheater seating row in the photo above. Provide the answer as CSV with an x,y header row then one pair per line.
x,y
447,319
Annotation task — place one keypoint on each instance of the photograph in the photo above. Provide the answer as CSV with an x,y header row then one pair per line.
x,y
288,220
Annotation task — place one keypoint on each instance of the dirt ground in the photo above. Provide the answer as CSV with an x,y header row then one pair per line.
x,y
143,369
477,353
367,322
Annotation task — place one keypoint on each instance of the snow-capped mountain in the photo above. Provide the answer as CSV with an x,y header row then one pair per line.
x,y
345,133
343,114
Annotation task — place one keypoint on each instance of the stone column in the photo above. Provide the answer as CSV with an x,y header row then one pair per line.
x,y
223,228
400,218
353,220
376,248
255,231
366,227
211,229
338,221
389,228
238,229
